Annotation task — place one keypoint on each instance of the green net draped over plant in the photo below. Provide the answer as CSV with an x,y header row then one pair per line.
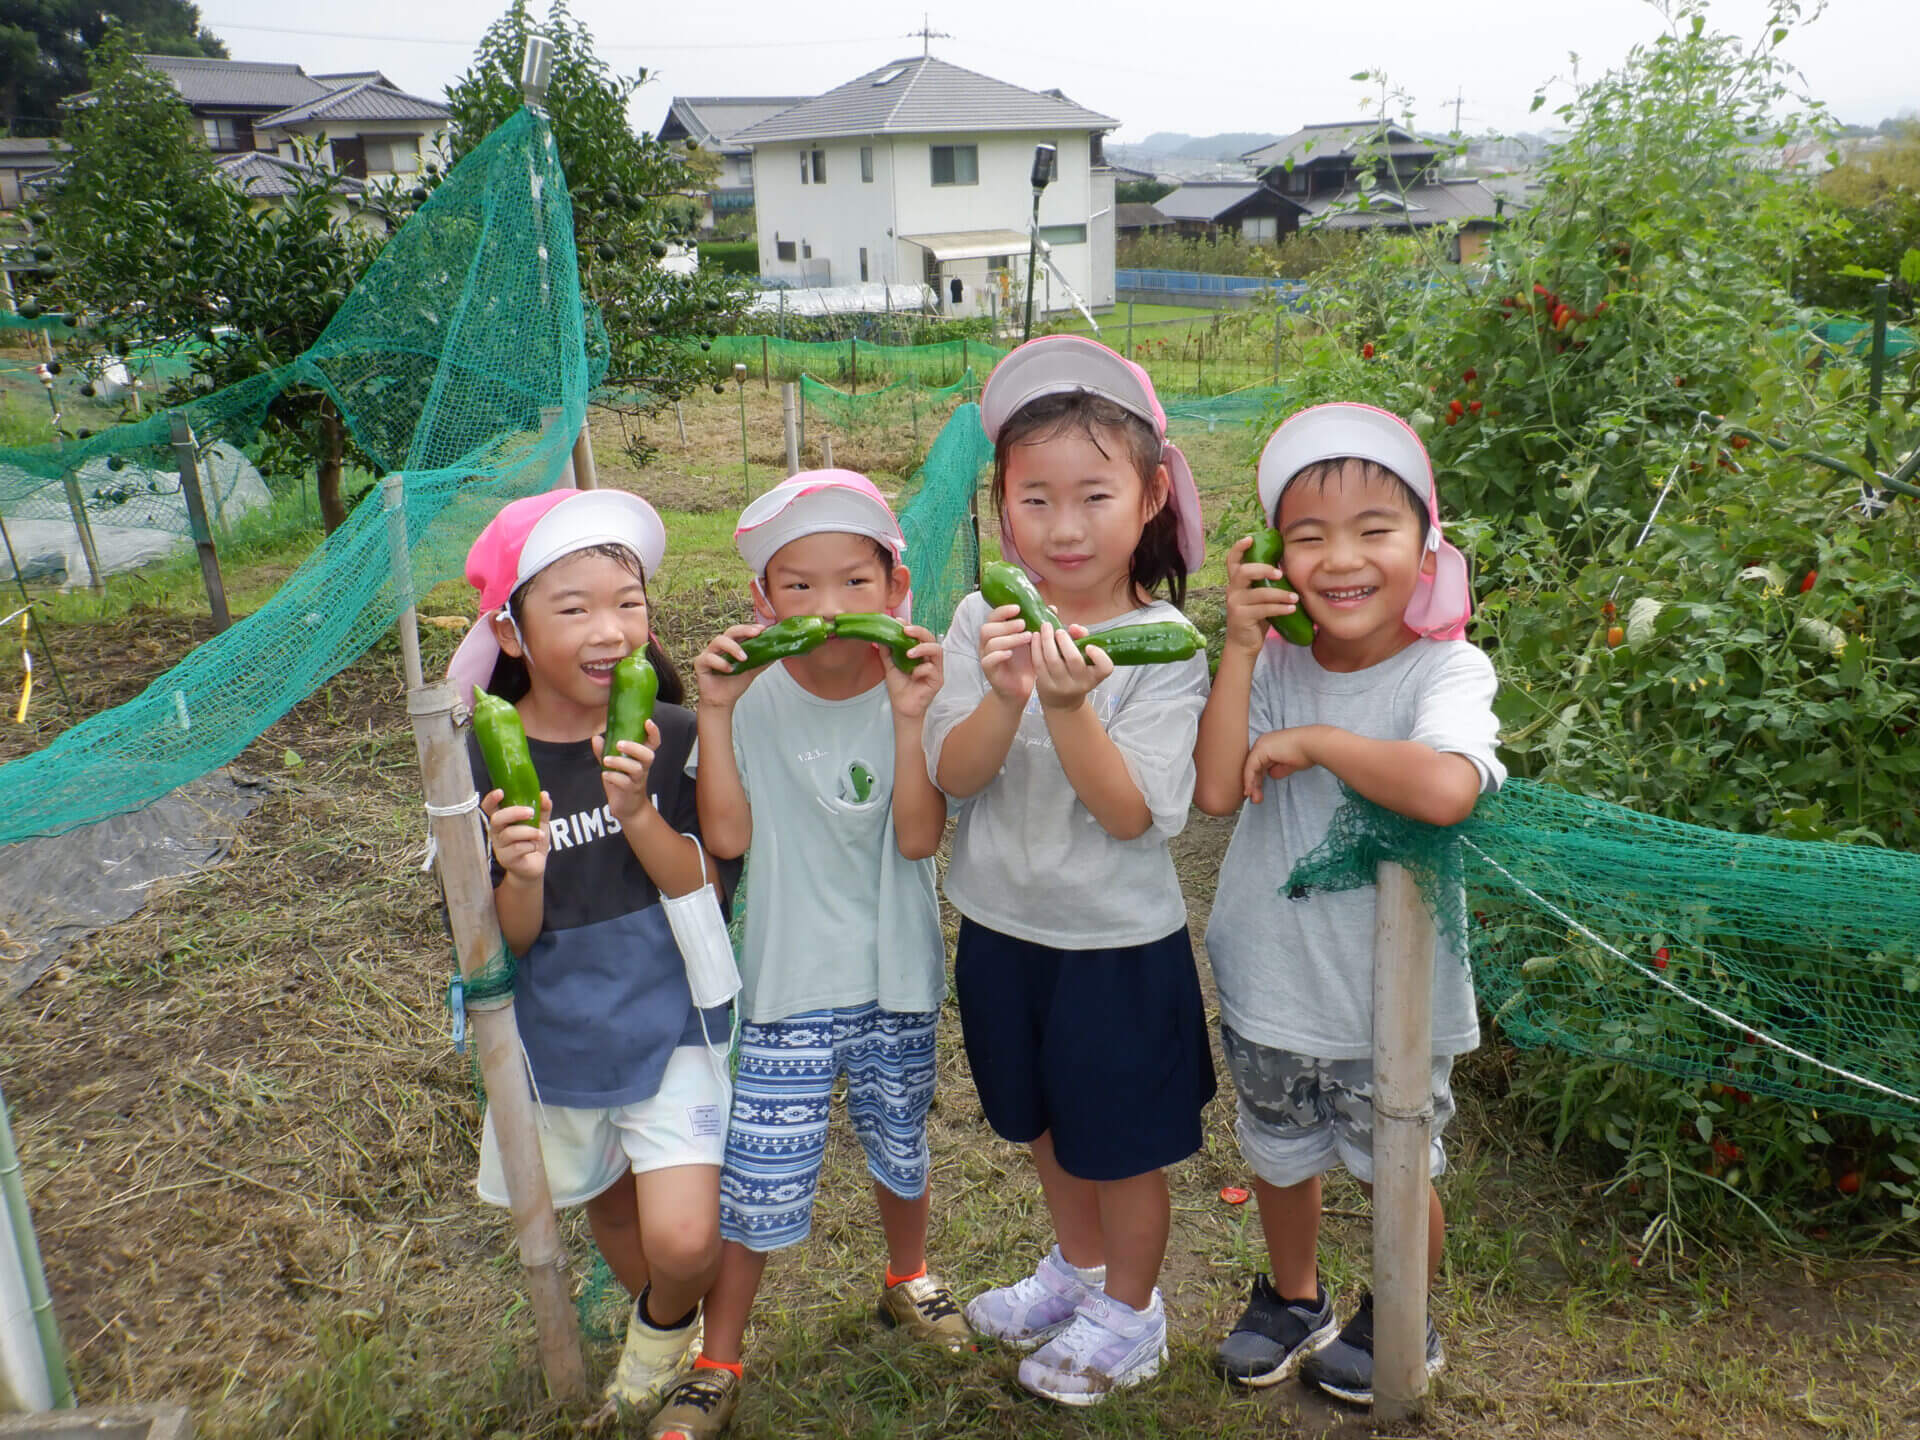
x,y
1780,967
463,361
936,516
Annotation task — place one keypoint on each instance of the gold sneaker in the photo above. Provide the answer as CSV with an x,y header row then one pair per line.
x,y
650,1362
698,1407
925,1308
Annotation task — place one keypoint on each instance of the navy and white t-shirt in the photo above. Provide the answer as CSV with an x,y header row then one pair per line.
x,y
602,998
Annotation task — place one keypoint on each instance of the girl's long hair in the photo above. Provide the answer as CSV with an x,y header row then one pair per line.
x,y
1156,558
511,680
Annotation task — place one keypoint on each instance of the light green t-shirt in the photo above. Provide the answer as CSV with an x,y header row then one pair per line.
x,y
836,916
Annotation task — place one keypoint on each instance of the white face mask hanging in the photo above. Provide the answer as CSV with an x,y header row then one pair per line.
x,y
700,931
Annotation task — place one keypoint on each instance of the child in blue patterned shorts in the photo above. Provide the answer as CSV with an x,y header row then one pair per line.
x,y
812,767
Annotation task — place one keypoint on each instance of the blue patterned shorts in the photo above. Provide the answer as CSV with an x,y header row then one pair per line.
x,y
781,1094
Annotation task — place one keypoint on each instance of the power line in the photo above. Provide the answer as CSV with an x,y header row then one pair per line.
x,y
468,43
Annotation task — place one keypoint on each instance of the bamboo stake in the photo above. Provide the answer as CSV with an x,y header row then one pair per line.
x,y
585,475
448,782
393,494
1403,940
186,456
790,423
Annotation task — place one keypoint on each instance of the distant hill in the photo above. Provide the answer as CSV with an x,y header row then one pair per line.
x,y
1230,146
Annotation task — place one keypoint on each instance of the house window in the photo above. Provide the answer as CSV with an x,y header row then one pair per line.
x,y
1296,181
806,167
1064,234
743,167
863,264
392,154
866,164
226,133
956,164
1096,149
1261,229
806,251
784,250
813,167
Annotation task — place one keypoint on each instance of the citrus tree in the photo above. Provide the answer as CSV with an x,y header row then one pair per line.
x,y
630,202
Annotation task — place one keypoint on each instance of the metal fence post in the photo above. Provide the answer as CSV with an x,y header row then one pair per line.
x,y
187,458
790,423
1403,940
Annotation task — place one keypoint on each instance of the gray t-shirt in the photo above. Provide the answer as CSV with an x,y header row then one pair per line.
x,y
1030,860
1298,974
836,915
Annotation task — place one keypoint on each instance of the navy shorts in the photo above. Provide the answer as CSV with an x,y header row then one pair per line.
x,y
1105,1049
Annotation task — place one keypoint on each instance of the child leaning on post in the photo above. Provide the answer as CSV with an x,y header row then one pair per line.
x,y
1389,700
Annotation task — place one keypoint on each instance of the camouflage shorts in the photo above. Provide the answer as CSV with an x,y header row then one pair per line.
x,y
1298,1115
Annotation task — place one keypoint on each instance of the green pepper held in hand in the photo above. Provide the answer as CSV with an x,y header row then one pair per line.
x,y
1266,550
1160,642
795,635
1004,584
503,744
880,630
630,706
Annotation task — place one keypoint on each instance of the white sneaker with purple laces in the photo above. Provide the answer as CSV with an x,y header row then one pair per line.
x,y
1035,1309
1107,1347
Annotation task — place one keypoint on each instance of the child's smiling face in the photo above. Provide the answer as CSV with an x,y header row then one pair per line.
x,y
580,616
1076,505
1354,553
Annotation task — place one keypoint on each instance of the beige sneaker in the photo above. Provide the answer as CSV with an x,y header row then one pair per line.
x,y
650,1362
698,1407
925,1308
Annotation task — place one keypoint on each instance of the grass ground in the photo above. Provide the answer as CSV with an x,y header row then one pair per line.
x,y
249,1146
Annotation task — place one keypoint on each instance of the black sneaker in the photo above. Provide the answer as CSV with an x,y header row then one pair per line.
x,y
1344,1368
1273,1336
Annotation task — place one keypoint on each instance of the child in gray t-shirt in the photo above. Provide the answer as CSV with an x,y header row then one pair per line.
x,y
1391,702
811,765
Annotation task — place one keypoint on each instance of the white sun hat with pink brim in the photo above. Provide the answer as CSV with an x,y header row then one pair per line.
x,y
533,532
1069,364
1442,601
816,502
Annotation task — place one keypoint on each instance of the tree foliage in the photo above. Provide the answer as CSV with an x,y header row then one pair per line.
x,y
44,48
628,200
157,247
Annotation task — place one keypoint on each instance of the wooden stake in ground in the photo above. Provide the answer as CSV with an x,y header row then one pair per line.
x,y
187,456
790,424
1403,938
393,493
585,475
437,714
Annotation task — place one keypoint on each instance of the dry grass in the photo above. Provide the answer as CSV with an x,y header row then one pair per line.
x,y
250,1150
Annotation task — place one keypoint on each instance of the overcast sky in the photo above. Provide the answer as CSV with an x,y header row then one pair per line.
x,y
1199,67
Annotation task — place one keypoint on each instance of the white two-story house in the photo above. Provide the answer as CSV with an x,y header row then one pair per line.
x,y
919,171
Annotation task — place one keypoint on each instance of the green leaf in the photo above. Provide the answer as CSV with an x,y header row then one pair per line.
x,y
1538,101
1703,1127
291,759
1910,267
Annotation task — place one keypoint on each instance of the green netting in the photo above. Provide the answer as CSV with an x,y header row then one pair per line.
x,y
54,321
1782,967
1236,407
904,405
936,515
851,362
462,360
1855,337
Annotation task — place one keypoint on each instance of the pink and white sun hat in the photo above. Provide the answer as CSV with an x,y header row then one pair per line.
x,y
816,502
1064,364
1441,601
532,533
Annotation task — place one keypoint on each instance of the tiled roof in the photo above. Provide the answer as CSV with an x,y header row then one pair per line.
x,y
237,84
713,120
263,175
1321,142
1440,203
1136,216
1210,199
922,95
362,101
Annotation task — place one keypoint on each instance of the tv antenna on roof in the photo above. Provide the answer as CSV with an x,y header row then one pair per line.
x,y
927,35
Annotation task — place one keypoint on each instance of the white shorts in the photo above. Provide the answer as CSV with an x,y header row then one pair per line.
x,y
682,1123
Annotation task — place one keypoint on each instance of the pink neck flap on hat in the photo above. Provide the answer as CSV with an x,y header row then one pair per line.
x,y
1442,602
